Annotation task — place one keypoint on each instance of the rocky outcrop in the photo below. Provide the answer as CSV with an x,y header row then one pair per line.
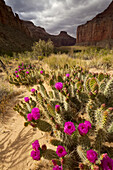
x,y
19,35
7,17
63,39
98,31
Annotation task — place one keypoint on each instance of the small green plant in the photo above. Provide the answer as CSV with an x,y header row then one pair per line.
x,y
43,48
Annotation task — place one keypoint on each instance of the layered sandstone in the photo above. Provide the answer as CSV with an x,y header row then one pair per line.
x,y
98,31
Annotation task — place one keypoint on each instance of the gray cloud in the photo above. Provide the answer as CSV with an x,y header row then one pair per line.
x,y
57,15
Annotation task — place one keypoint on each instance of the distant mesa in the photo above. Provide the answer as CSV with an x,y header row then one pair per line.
x,y
16,34
98,31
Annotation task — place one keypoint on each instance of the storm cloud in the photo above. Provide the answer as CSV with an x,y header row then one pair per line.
x,y
57,15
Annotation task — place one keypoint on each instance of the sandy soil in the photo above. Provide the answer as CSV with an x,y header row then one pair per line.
x,y
16,140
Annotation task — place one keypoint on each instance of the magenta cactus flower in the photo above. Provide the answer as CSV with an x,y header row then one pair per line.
x,y
88,124
16,72
22,68
67,75
19,70
26,99
36,145
17,75
41,72
61,152
18,66
36,116
107,163
35,113
59,86
83,129
57,167
33,90
35,110
69,128
35,155
57,107
29,117
27,72
92,156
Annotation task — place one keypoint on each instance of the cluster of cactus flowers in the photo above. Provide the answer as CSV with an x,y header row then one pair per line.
x,y
26,74
78,106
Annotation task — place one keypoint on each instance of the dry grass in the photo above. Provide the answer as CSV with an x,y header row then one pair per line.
x,y
59,61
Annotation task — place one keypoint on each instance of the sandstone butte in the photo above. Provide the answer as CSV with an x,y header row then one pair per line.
x,y
16,34
98,31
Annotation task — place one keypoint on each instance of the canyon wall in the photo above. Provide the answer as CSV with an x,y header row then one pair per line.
x,y
98,31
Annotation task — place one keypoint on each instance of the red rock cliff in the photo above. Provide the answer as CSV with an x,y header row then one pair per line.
x,y
98,31
19,35
7,17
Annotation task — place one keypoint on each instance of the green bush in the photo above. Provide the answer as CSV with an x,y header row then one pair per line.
x,y
43,48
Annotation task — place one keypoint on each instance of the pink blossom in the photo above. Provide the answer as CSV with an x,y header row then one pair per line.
x,y
41,72
35,110
17,76
92,156
83,129
35,155
26,99
33,90
35,113
36,116
69,128
57,107
16,72
27,72
29,117
107,163
67,75
18,66
88,124
19,70
59,86
57,167
36,145
61,152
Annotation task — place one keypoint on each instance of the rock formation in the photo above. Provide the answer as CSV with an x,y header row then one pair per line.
x,y
7,17
63,39
19,35
98,31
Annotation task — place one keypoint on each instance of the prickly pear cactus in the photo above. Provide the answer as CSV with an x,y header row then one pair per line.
x,y
73,108
26,74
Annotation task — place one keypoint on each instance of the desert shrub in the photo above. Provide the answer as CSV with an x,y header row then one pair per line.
x,y
43,48
73,92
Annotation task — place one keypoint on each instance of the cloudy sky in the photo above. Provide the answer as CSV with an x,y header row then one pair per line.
x,y
57,15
